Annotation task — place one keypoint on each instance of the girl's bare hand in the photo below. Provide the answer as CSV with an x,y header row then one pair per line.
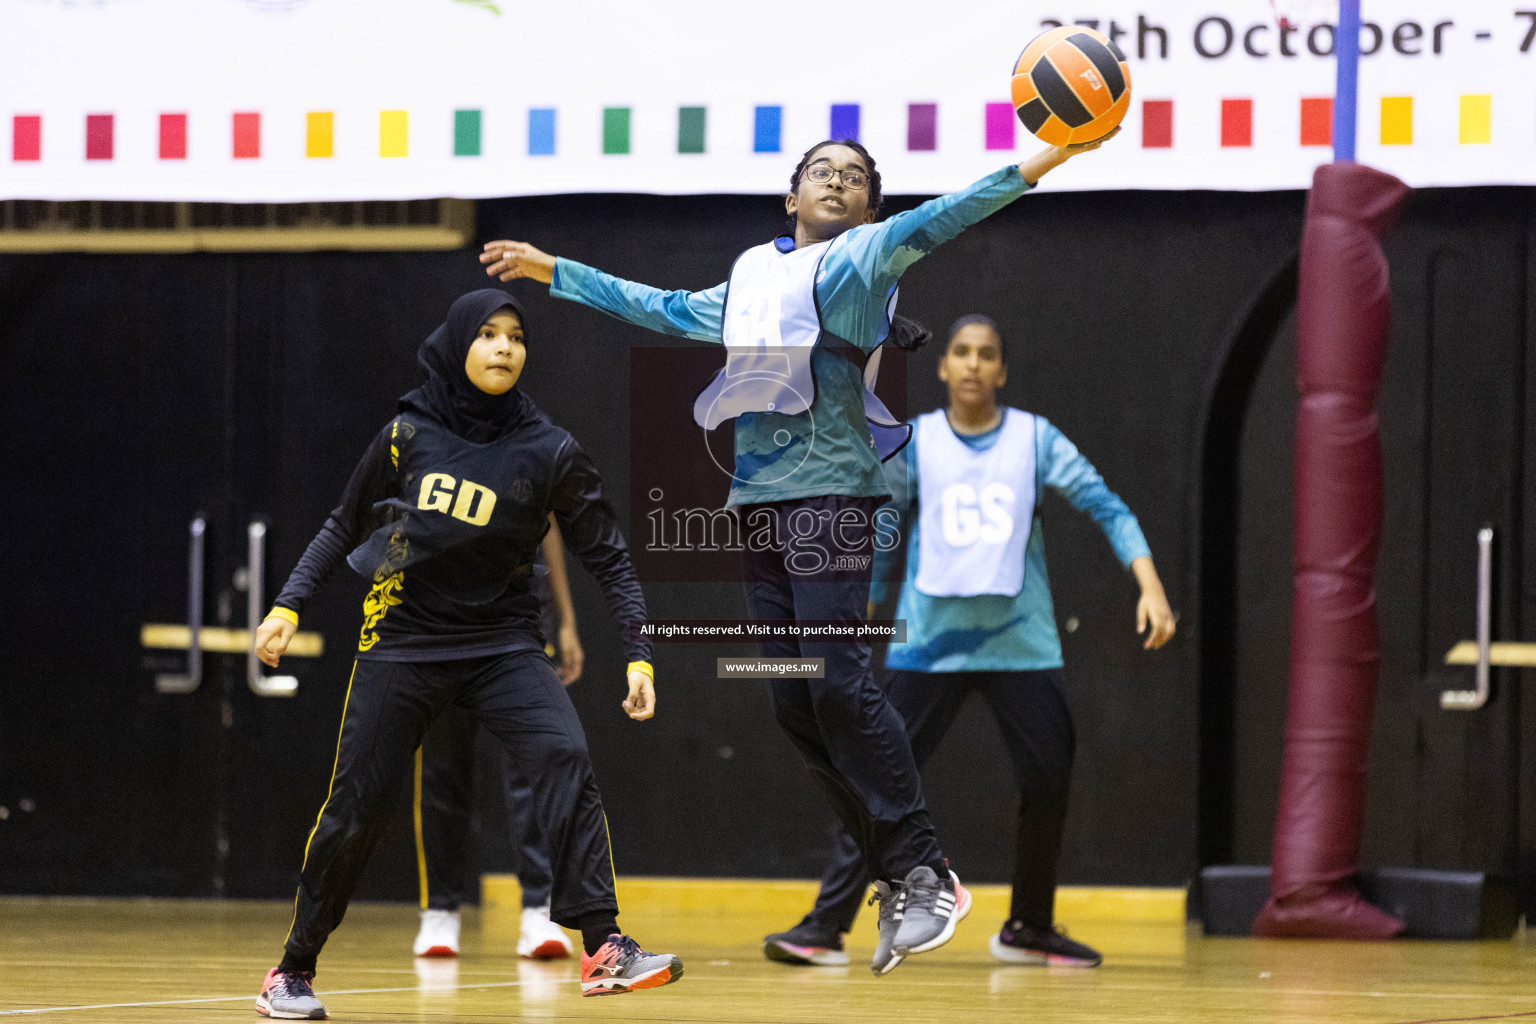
x,y
641,702
507,261
1088,147
273,637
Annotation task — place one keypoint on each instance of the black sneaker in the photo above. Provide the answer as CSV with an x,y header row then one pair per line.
x,y
286,995
806,944
1020,943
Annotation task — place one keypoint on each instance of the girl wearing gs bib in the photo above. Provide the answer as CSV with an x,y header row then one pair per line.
x,y
977,603
802,318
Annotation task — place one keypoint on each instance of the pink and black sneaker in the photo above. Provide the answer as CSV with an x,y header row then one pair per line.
x,y
806,944
1020,943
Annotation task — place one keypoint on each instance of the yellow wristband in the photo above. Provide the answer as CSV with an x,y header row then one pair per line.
x,y
278,611
641,666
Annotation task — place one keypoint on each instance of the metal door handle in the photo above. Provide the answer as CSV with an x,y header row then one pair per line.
x,y
1471,700
170,682
255,610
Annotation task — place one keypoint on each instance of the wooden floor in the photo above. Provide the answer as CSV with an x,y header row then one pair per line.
x,y
78,960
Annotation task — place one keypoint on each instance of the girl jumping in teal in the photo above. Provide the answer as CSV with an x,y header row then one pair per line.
x,y
802,318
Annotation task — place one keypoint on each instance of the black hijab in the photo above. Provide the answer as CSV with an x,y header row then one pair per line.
x,y
448,394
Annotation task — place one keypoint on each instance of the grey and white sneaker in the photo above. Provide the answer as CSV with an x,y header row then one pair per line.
x,y
286,995
930,910
889,898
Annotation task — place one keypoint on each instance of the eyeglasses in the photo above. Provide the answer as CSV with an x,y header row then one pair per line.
x,y
851,178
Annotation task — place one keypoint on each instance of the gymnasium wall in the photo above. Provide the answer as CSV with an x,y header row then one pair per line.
x,y
138,390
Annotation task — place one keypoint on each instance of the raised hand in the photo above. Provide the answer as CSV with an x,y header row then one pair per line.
x,y
507,261
1052,157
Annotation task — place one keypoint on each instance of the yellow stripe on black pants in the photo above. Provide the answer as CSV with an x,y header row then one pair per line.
x,y
421,841
329,788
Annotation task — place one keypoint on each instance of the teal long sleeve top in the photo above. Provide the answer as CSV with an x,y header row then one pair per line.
x,y
828,448
991,632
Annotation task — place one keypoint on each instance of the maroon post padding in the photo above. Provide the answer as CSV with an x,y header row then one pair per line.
x,y
1342,316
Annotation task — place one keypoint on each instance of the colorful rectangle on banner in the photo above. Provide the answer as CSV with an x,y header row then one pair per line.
x,y
766,129
98,136
845,121
541,131
394,133
1397,120
690,129
922,127
173,136
466,133
1001,119
1157,124
1476,120
1317,121
27,137
320,134
246,129
615,130
1237,122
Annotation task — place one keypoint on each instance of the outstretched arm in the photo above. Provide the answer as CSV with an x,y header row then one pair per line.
x,y
864,264
679,312
1063,467
1052,157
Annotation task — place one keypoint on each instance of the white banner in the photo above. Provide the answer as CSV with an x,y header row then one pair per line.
x,y
297,100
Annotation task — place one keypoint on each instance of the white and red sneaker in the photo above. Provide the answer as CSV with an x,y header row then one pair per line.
x,y
539,938
439,934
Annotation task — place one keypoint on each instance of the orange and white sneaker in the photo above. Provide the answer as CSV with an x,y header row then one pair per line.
x,y
622,966
286,995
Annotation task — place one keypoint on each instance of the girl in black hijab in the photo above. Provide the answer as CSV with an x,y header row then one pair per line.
x,y
445,513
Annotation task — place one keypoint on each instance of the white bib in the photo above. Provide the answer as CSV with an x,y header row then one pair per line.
x,y
770,326
976,508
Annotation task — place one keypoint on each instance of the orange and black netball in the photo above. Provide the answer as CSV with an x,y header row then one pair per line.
x,y
1071,85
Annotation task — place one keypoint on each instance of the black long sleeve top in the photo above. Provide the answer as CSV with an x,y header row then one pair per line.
x,y
448,531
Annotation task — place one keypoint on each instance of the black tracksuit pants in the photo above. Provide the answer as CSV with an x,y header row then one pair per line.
x,y
849,736
1031,710
519,700
444,795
